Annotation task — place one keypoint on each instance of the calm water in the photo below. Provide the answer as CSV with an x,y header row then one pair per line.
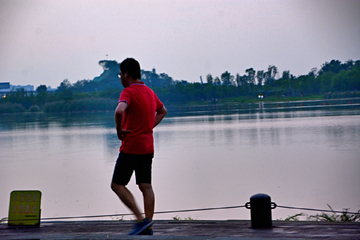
x,y
299,158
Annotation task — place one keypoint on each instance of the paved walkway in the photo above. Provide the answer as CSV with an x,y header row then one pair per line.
x,y
168,229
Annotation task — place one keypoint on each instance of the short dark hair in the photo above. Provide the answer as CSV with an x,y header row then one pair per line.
x,y
131,67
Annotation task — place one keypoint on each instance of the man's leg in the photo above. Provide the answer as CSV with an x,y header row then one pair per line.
x,y
127,198
149,199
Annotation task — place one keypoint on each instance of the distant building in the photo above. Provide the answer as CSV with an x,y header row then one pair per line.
x,y
27,88
51,90
6,87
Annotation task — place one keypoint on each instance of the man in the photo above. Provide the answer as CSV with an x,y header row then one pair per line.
x,y
138,111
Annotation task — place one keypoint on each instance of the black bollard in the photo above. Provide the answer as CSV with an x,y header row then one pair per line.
x,y
260,206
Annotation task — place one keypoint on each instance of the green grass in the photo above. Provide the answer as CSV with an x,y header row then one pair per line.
x,y
177,218
345,216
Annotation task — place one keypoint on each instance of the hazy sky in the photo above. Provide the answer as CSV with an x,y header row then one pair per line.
x,y
47,41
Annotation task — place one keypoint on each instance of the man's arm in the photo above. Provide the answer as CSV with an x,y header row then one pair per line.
x,y
159,115
119,115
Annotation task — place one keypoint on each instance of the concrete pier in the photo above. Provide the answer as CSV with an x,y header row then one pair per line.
x,y
198,229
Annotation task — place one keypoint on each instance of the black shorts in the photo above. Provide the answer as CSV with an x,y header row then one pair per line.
x,y
126,164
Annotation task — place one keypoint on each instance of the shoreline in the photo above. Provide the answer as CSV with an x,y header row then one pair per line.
x,y
231,106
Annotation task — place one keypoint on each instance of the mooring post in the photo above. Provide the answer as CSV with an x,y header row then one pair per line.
x,y
260,206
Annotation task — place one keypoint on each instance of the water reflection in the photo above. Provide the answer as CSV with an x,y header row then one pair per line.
x,y
211,161
65,120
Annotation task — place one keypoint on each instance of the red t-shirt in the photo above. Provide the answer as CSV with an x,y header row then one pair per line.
x,y
139,117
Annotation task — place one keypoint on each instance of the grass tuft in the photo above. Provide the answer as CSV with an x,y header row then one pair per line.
x,y
177,218
336,217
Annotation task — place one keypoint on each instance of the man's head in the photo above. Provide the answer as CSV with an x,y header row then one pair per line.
x,y
131,68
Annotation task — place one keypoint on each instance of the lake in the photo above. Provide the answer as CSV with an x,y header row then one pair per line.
x,y
299,158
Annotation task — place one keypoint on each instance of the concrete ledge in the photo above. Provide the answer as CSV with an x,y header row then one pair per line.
x,y
198,229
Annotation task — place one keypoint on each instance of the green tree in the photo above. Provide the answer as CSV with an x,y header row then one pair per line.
x,y
227,79
210,92
67,94
217,81
41,95
41,88
65,84
260,77
325,82
333,66
286,74
270,75
166,80
251,75
209,79
241,80
348,65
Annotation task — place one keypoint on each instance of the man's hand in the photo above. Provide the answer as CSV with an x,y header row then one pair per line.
x,y
121,133
159,115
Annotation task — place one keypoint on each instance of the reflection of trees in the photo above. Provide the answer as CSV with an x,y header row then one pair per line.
x,y
275,136
42,120
112,144
229,136
253,134
341,134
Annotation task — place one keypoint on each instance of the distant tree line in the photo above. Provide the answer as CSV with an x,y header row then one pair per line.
x,y
334,79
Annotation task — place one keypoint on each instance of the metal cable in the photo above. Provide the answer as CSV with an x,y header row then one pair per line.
x,y
318,210
192,210
127,214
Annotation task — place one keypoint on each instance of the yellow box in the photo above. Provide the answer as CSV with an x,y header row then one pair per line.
x,y
24,208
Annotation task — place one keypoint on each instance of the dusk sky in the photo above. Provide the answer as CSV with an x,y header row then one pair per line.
x,y
45,42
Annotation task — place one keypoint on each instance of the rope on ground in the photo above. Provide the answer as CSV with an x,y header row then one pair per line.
x,y
317,210
128,214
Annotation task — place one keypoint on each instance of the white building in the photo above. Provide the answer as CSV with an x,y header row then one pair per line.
x,y
27,88
5,88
